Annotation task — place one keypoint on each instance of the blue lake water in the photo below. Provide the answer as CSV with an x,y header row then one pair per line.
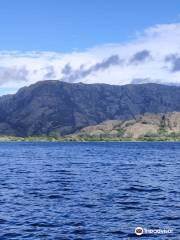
x,y
88,190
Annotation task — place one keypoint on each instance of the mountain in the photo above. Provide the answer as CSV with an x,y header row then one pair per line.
x,y
59,108
157,81
149,125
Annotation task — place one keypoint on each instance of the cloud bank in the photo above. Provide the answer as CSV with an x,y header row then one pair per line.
x,y
153,56
70,75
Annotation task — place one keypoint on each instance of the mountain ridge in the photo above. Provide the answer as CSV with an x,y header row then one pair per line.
x,y
60,108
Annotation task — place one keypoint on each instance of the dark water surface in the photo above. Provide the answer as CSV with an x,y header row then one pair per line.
x,y
88,190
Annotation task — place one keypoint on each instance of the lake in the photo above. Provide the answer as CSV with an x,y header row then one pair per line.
x,y
86,191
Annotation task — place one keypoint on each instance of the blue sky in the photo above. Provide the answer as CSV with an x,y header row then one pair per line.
x,y
91,41
67,25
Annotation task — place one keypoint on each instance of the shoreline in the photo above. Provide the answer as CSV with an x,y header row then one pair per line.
x,y
72,139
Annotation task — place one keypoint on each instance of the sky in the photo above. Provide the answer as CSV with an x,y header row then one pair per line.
x,y
92,41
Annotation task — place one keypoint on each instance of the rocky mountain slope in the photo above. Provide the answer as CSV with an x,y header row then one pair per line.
x,y
148,125
58,108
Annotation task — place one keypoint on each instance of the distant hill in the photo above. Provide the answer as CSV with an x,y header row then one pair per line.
x,y
58,108
146,126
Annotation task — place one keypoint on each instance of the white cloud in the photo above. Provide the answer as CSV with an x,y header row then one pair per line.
x,y
152,47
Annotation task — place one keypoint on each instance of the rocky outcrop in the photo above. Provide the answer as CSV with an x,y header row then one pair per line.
x,y
142,126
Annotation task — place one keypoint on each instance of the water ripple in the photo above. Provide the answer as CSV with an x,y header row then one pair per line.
x,y
88,191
